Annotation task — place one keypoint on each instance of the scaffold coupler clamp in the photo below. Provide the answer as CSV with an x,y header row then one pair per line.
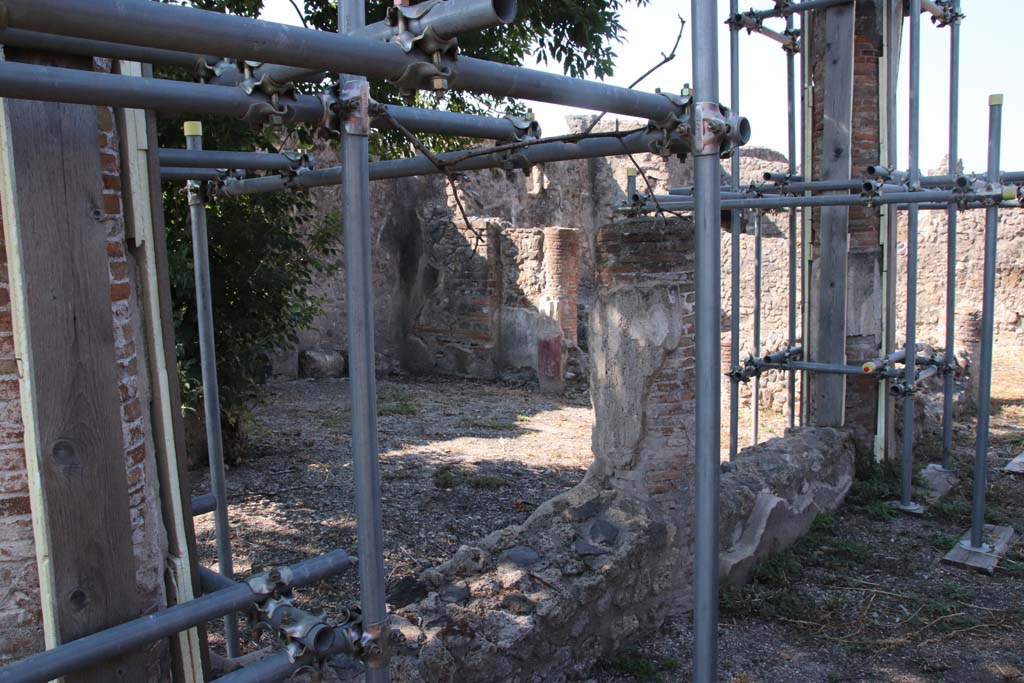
x,y
409,35
950,15
430,74
737,373
354,104
527,127
743,20
793,46
203,71
674,127
717,130
903,388
376,644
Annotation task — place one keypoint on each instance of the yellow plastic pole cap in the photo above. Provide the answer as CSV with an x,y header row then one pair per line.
x,y
995,99
193,128
631,172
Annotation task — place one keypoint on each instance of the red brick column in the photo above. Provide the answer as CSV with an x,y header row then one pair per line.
x,y
643,355
562,278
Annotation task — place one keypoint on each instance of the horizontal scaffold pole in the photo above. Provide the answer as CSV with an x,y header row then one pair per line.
x,y
54,84
171,27
789,8
770,203
104,645
446,20
541,153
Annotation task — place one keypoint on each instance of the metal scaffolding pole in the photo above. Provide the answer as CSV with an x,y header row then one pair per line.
x,y
735,229
49,42
907,464
995,122
708,283
362,367
885,429
755,401
445,20
785,202
788,9
791,99
954,111
99,647
153,24
211,389
54,84
469,160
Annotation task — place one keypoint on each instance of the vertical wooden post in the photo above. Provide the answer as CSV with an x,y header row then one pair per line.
x,y
56,234
828,287
144,217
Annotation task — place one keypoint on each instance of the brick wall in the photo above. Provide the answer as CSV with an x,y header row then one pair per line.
x,y
20,610
562,268
644,358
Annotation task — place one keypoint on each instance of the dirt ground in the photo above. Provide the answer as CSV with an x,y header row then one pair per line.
x,y
863,598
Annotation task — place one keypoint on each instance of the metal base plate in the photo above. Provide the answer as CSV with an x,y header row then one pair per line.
x,y
910,508
996,540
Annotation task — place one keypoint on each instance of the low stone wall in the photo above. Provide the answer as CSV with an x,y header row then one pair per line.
x,y
771,493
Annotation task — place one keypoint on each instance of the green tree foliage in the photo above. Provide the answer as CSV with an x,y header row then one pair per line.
x,y
265,250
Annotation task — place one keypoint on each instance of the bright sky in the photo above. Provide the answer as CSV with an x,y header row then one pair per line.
x,y
989,57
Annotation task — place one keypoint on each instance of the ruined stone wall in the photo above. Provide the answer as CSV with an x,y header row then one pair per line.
x,y
20,609
602,564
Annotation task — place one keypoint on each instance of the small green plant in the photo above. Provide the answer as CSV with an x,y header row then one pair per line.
x,y
779,570
824,523
641,668
942,542
484,423
395,402
447,477
879,510
486,481
951,509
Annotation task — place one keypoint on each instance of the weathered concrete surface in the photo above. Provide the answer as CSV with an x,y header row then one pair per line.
x,y
771,493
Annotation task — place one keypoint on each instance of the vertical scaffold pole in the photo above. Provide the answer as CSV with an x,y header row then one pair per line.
x,y
708,342
791,98
954,115
755,401
211,389
362,377
995,120
910,375
885,433
734,227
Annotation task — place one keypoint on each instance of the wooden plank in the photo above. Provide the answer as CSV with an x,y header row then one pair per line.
x,y
143,201
828,309
60,296
998,537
